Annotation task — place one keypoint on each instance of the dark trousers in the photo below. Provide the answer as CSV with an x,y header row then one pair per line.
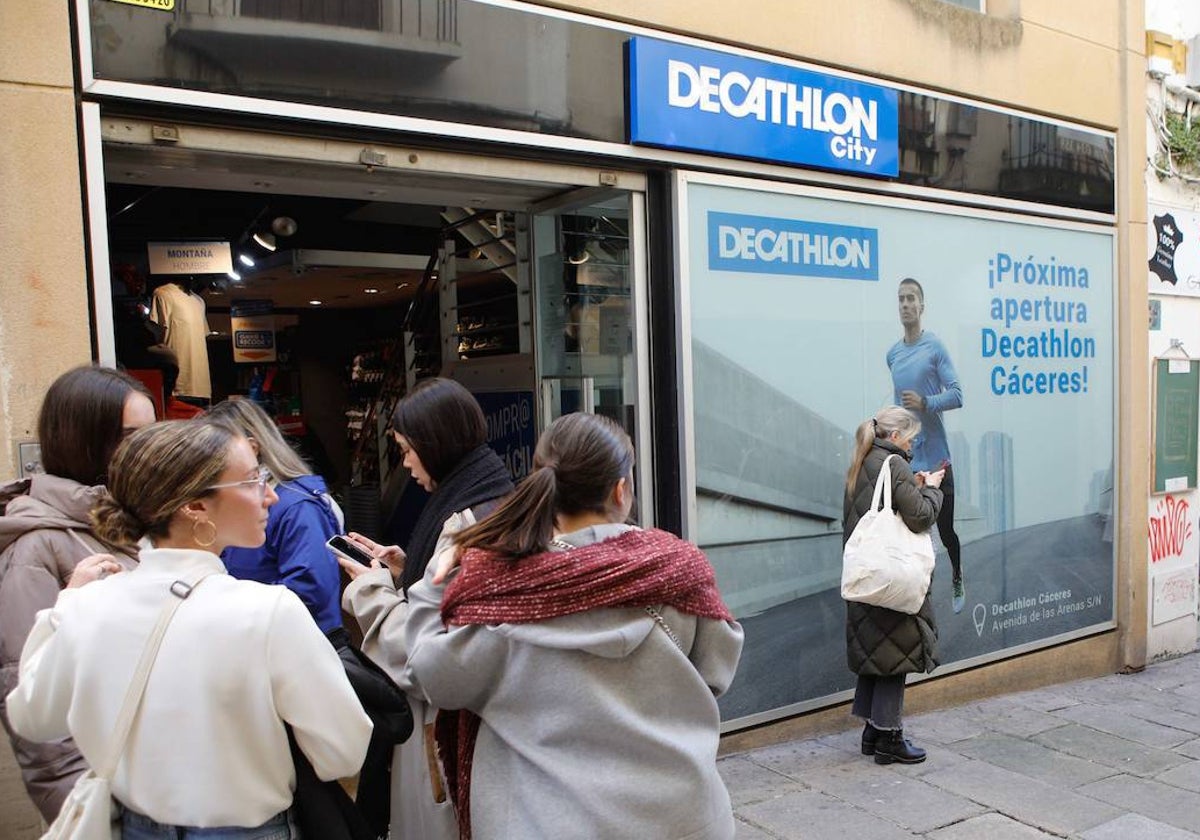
x,y
945,523
879,700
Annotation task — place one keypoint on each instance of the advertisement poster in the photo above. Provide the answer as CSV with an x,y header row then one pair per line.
x,y
805,321
253,329
1174,243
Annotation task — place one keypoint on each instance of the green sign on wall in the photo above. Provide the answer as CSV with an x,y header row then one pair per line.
x,y
1176,410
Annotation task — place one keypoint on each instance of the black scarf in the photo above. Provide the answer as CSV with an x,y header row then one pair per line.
x,y
479,477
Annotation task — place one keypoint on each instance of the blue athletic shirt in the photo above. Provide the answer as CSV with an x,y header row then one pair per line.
x,y
925,367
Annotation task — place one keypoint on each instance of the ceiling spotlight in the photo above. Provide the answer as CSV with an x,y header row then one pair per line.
x,y
246,261
265,239
315,302
283,226
371,291
233,275
579,257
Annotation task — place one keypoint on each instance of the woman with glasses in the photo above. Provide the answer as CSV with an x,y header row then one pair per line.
x,y
298,526
207,755
46,541
442,432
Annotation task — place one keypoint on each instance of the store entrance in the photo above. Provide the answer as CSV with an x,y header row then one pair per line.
x,y
325,290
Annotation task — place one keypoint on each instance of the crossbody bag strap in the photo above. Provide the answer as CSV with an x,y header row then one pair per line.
x,y
180,590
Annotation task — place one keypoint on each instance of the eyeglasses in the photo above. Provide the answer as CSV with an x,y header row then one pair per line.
x,y
264,475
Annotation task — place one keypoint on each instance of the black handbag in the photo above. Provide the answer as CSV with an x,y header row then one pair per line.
x,y
387,706
323,809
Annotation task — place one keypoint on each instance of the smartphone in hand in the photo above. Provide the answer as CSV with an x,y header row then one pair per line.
x,y
340,545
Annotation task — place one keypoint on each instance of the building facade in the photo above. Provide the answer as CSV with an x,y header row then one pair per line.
x,y
701,215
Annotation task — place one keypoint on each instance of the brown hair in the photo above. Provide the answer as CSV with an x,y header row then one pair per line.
x,y
79,424
249,418
578,460
156,471
442,422
890,419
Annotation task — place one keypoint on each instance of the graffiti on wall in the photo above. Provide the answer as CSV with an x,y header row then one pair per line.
x,y
1170,528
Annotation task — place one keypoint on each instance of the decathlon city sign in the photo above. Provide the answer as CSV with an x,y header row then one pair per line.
x,y
683,97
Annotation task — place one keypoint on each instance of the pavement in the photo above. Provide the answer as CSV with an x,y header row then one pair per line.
x,y
1111,758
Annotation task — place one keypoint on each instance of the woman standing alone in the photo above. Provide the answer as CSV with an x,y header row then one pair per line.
x,y
883,646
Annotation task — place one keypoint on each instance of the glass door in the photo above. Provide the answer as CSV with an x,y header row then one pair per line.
x,y
589,295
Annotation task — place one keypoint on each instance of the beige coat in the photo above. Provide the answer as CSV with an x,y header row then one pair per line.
x,y
421,808
43,534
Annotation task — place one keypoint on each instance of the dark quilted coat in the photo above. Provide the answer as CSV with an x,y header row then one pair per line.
x,y
882,642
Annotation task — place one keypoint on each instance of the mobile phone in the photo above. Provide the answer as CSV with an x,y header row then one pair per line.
x,y
340,545
945,463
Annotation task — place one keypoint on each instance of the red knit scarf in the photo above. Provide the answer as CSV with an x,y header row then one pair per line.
x,y
635,569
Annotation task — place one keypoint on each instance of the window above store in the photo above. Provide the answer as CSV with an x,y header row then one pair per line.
x,y
465,62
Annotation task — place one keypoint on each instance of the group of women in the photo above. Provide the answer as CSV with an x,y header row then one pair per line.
x,y
562,665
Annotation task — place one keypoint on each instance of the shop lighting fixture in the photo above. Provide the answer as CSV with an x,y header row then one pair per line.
x,y
283,226
371,291
233,275
265,239
315,302
245,260
580,256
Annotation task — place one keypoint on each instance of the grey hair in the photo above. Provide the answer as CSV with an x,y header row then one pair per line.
x,y
888,419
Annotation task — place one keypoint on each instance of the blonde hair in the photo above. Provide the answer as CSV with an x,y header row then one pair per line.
x,y
247,417
889,419
155,472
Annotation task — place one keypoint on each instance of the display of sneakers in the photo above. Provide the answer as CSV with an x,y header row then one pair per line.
x,y
960,594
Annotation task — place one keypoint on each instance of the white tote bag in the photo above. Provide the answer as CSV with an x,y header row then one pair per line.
x,y
884,563
88,812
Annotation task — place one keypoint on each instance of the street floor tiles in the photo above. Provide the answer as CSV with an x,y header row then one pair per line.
x,y
1034,760
1022,798
1162,802
990,826
1118,753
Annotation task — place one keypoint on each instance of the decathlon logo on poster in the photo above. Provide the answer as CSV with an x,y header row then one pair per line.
x,y
766,245
691,98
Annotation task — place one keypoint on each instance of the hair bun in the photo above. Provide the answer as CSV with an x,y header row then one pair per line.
x,y
114,523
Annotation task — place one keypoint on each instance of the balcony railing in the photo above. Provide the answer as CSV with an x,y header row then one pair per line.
x,y
431,20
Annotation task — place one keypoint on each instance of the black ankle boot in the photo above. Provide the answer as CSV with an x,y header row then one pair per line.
x,y
869,737
893,746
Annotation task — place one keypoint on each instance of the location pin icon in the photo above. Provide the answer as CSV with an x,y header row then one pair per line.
x,y
980,616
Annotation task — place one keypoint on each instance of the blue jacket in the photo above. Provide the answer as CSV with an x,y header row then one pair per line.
x,y
294,553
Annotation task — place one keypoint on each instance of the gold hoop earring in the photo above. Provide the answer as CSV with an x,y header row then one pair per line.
x,y
196,523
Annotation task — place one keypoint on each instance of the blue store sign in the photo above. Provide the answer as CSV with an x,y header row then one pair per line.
x,y
683,97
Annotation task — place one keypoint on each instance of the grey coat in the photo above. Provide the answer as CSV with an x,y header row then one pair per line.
x,y
593,725
882,642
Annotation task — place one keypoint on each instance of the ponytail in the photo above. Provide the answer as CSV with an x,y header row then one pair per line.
x,y
578,461
889,419
523,524
864,439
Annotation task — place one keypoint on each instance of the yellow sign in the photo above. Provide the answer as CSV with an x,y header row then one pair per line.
x,y
163,5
